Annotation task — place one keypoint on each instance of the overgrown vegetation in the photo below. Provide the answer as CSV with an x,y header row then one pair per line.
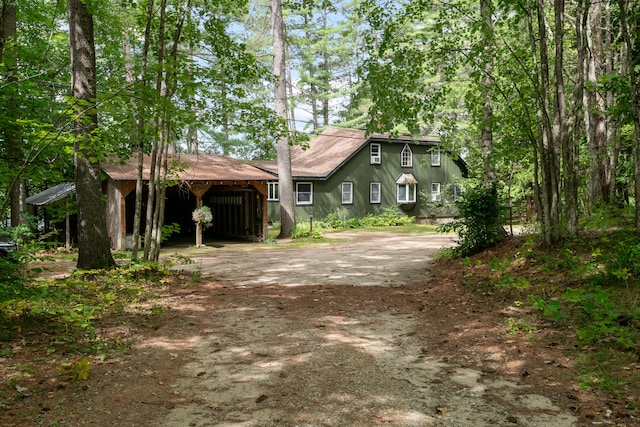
x,y
341,219
589,288
481,223
69,321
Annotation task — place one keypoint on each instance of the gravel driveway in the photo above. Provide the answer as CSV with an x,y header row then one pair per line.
x,y
364,259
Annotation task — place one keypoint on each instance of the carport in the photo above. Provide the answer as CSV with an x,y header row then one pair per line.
x,y
235,191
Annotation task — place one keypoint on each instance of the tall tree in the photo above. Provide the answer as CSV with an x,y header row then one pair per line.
x,y
285,179
486,134
630,26
10,129
93,241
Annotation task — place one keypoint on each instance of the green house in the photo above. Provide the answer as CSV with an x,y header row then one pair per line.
x,y
346,169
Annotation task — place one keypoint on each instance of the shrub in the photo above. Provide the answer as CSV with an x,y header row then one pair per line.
x,y
337,218
480,226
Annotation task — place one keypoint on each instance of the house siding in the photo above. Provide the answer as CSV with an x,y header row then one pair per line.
x,y
327,195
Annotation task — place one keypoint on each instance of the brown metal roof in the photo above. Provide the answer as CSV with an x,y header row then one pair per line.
x,y
329,150
190,167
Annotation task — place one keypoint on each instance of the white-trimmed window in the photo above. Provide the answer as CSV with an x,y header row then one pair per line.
x,y
347,193
375,151
406,157
406,193
272,191
435,157
436,196
457,192
374,192
304,193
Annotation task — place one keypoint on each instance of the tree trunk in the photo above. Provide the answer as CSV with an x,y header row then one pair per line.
x,y
93,241
156,148
632,55
548,149
596,122
613,139
486,136
571,149
137,216
11,131
285,179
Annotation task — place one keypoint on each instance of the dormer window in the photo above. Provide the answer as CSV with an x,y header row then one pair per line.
x,y
376,154
406,157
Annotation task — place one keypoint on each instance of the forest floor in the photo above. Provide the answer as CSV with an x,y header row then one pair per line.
x,y
369,330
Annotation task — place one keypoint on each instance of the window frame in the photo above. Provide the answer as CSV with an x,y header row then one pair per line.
x,y
436,196
410,190
298,193
375,158
273,191
406,157
371,198
457,192
436,157
349,200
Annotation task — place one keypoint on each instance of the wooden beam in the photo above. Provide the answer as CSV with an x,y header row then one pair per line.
x,y
199,187
127,187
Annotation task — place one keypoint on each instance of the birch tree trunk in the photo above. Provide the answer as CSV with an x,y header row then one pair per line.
x,y
137,216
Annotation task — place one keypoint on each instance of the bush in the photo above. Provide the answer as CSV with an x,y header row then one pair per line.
x,y
481,223
390,216
337,218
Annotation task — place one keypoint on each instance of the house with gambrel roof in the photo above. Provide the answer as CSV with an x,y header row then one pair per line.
x,y
346,168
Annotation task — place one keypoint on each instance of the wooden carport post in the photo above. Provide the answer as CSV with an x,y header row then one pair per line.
x,y
261,186
199,188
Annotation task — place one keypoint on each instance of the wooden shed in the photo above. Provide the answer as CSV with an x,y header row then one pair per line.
x,y
235,191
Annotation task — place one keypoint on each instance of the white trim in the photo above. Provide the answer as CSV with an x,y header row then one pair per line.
x,y
347,192
436,195
435,157
375,155
273,195
373,200
308,200
409,193
406,157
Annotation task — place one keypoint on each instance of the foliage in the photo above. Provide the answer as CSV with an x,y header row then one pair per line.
x,y
77,369
302,232
337,219
588,287
480,226
597,315
170,229
390,216
75,303
341,218
444,208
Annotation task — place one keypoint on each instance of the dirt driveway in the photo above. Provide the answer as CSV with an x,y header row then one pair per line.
x,y
371,339
360,259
